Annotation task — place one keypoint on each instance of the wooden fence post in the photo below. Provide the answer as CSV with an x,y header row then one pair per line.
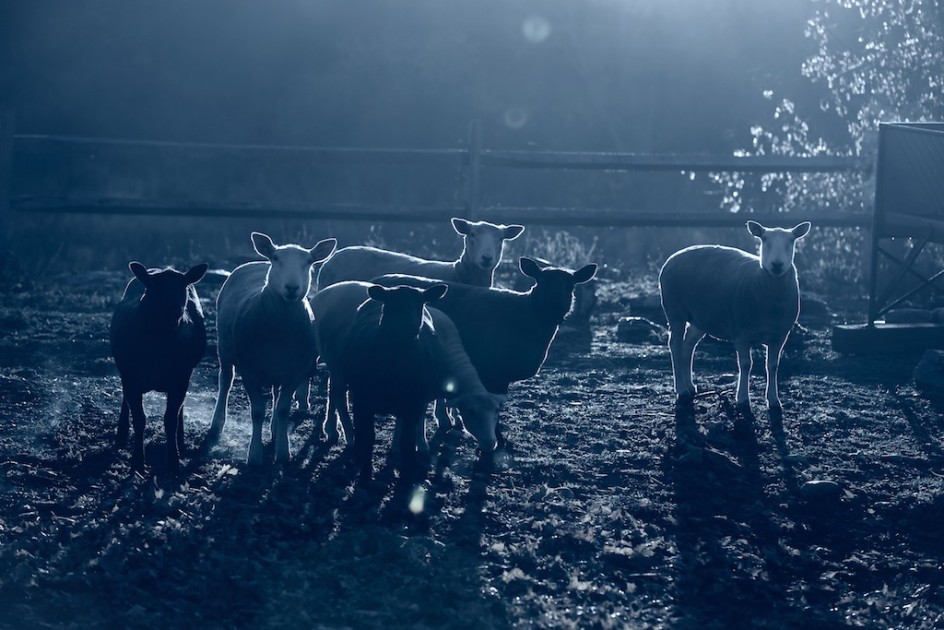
x,y
473,198
7,124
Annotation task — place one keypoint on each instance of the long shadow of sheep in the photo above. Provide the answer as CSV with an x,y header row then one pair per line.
x,y
732,569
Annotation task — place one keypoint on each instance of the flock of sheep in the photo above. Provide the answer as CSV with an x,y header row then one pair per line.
x,y
397,332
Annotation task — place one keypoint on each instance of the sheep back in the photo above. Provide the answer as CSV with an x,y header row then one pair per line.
x,y
364,263
267,340
725,292
392,375
504,340
154,359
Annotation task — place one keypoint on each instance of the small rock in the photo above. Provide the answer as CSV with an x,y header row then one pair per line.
x,y
929,373
648,305
639,330
908,316
821,490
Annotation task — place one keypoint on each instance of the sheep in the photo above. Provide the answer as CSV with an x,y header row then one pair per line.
x,y
733,295
158,336
394,356
482,245
265,328
507,333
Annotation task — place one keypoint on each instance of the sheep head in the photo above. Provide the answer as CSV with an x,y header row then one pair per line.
x,y
289,274
777,245
483,242
480,416
404,308
166,291
553,291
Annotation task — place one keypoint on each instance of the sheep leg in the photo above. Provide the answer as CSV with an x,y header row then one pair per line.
x,y
136,406
281,408
443,419
180,431
336,410
303,395
257,408
409,465
227,372
682,343
774,351
745,363
123,424
172,418
364,438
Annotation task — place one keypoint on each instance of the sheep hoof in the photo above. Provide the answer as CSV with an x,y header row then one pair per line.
x,y
685,402
744,410
137,464
775,412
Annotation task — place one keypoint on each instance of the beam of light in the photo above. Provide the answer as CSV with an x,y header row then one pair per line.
x,y
536,29
418,500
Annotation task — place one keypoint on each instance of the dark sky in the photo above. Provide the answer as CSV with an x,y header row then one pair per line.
x,y
640,75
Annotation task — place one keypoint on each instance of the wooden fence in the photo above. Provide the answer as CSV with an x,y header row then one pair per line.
x,y
471,160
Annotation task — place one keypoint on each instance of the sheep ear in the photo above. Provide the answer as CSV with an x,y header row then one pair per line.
x,y
461,226
196,273
323,249
802,229
140,272
529,267
435,292
376,292
263,244
585,273
512,232
756,229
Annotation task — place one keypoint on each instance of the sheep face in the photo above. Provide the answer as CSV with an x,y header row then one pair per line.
x,y
403,309
553,291
480,416
166,291
777,245
289,273
483,242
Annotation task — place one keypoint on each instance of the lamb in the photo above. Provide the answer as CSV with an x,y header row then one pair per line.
x,y
733,295
482,245
266,331
507,333
395,356
158,336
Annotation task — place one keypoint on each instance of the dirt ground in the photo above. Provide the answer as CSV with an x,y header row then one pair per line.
x,y
610,511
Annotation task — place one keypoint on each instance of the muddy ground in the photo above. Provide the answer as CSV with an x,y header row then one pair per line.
x,y
611,512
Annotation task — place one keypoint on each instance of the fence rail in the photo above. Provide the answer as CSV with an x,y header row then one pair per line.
x,y
472,159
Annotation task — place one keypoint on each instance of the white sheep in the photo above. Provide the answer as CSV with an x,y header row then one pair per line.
x,y
265,328
733,295
158,336
482,245
394,356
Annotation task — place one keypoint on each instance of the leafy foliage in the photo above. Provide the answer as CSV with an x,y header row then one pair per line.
x,y
877,61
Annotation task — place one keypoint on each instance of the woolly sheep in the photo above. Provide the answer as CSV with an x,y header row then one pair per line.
x,y
265,328
336,309
507,333
482,245
733,295
158,336
394,356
